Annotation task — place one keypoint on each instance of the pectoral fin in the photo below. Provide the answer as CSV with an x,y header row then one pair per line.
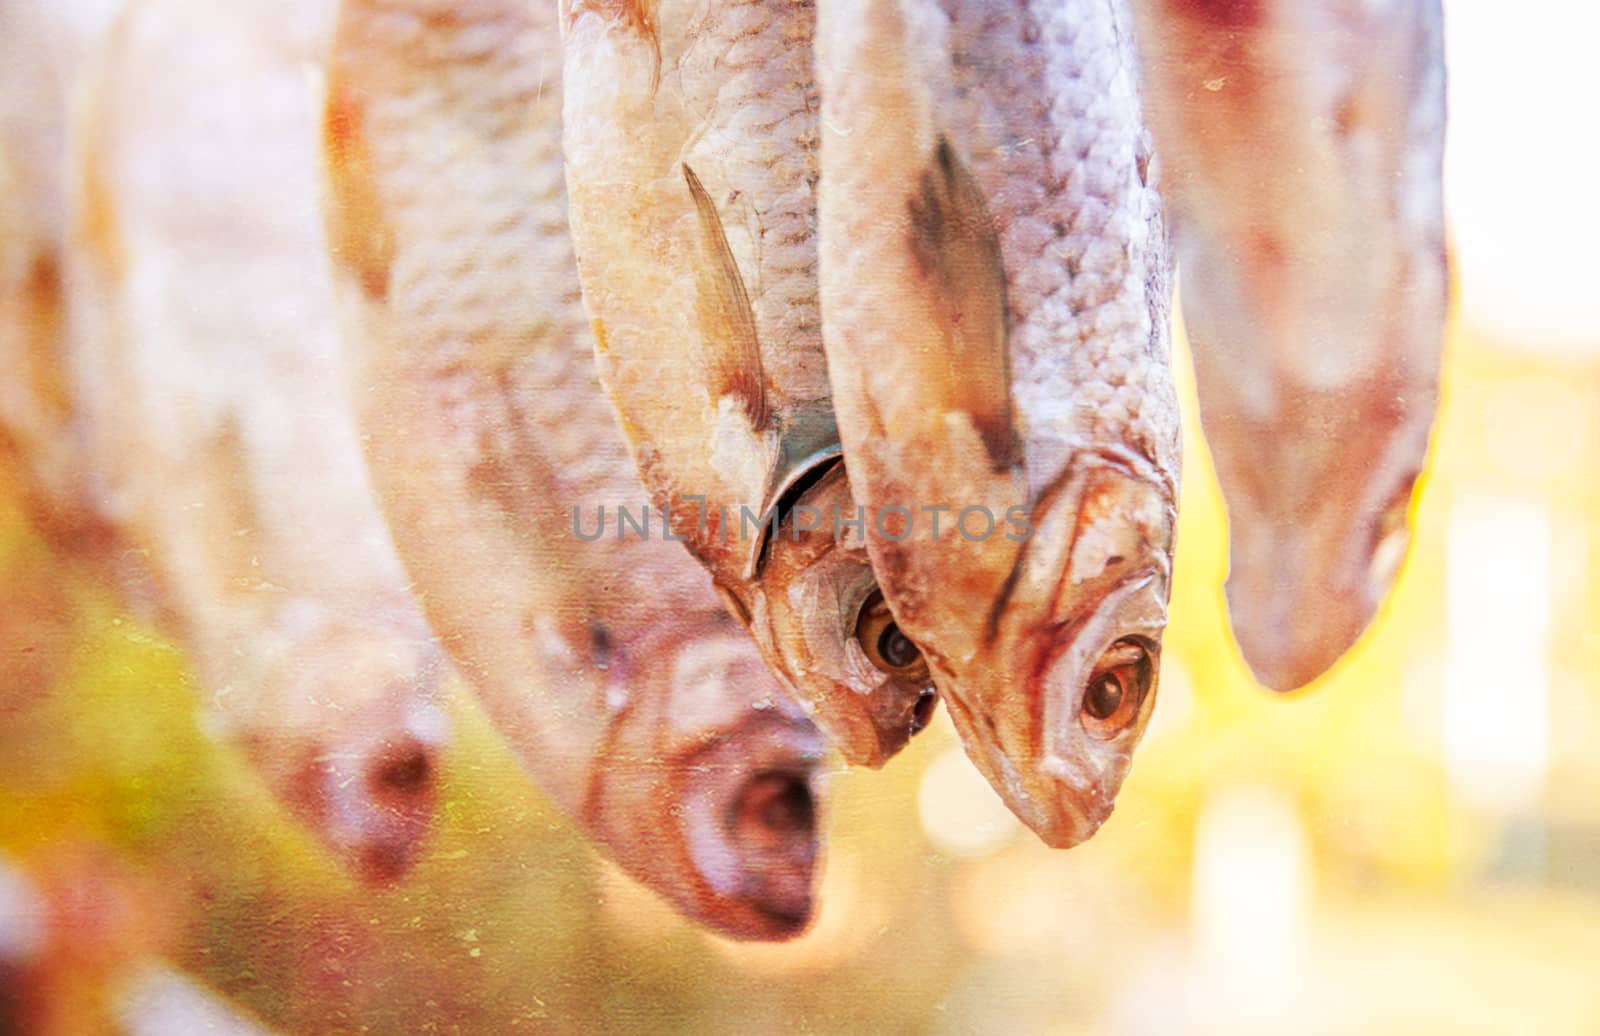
x,y
358,235
957,250
727,322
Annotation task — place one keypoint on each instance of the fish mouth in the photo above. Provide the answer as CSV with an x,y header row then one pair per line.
x,y
401,780
1291,656
749,828
754,849
774,824
362,771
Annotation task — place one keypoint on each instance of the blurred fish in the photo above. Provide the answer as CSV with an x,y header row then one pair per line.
x,y
1303,145
206,361
82,937
44,45
691,156
995,292
606,661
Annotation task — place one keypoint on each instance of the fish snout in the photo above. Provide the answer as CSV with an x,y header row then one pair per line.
x,y
748,826
355,707
388,810
1280,664
1291,635
381,791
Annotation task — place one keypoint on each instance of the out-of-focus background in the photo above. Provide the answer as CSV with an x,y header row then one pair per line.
x,y
1410,846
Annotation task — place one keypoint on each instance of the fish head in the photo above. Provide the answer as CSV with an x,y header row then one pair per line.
x,y
1317,533
1062,683
823,622
712,795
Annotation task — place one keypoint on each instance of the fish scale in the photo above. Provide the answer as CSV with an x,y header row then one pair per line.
x,y
1065,192
761,126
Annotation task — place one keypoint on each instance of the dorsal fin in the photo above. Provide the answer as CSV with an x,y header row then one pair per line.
x,y
727,321
956,246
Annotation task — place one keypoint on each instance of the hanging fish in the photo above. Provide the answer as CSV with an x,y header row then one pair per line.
x,y
604,659
691,156
1303,145
44,45
995,294
206,362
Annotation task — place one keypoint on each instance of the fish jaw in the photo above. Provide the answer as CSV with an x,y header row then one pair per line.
x,y
733,772
1087,602
809,620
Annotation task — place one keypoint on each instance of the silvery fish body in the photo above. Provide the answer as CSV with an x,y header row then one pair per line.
x,y
605,660
44,46
1303,145
691,145
995,296
222,444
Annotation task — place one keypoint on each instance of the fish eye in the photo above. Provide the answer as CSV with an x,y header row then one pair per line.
x,y
1117,688
886,645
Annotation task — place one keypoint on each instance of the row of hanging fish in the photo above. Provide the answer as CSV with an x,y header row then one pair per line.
x,y
339,322
209,336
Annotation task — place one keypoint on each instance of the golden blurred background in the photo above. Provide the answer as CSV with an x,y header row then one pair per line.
x,y
1412,845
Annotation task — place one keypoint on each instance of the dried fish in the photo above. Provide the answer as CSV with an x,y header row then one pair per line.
x,y
44,45
1303,144
609,666
691,149
206,362
995,295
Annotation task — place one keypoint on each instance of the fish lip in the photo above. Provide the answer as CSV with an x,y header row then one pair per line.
x,y
1295,669
1071,827
779,887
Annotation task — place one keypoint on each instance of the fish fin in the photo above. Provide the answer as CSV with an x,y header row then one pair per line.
x,y
957,248
637,17
97,229
727,322
359,237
